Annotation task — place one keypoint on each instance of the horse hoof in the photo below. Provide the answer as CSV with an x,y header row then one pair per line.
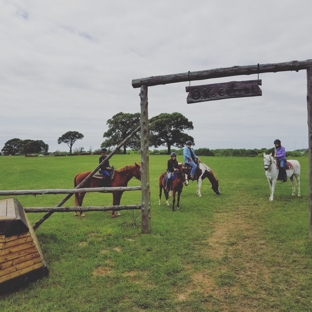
x,y
75,214
82,215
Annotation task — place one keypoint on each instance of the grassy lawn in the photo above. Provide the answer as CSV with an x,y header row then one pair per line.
x,y
233,252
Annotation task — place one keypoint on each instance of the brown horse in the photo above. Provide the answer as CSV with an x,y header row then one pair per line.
x,y
121,178
176,186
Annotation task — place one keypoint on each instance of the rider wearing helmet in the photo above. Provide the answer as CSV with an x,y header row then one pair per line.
x,y
190,158
172,166
280,155
105,168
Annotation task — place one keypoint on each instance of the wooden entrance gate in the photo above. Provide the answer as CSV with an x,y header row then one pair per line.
x,y
144,83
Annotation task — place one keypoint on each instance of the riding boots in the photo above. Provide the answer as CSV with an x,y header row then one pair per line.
x,y
283,174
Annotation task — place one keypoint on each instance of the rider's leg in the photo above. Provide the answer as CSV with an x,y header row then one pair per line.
x,y
168,181
283,170
193,170
106,176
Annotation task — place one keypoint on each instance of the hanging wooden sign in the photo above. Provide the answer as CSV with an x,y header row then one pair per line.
x,y
221,91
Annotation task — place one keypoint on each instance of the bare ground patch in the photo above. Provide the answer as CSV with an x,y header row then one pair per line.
x,y
238,251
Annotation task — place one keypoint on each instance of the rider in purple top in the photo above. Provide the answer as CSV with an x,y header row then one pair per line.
x,y
280,155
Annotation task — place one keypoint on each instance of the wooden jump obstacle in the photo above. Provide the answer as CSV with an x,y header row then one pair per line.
x,y
21,258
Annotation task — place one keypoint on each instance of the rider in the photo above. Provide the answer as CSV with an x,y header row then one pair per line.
x,y
280,155
105,168
190,158
172,166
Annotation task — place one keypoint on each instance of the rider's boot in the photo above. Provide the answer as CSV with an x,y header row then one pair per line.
x,y
168,186
107,181
283,174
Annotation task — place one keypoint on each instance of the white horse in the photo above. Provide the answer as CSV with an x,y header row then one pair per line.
x,y
271,172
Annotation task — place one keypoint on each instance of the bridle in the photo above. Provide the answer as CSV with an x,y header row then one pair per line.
x,y
266,167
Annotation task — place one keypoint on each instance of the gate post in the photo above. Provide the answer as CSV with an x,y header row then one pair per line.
x,y
145,184
309,104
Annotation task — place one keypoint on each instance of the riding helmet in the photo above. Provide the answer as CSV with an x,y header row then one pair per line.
x,y
277,141
103,150
188,143
173,154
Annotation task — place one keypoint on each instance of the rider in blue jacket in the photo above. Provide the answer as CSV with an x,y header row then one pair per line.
x,y
280,155
190,157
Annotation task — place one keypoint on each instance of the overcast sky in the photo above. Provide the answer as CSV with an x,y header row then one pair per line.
x,y
68,65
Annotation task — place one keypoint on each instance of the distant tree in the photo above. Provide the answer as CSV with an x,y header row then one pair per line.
x,y
119,127
70,137
18,146
34,147
12,147
167,129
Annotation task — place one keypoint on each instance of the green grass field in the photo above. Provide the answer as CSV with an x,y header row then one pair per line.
x,y
233,252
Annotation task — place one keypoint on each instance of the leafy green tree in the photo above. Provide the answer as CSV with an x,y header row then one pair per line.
x,y
12,147
18,146
167,129
34,147
119,127
70,137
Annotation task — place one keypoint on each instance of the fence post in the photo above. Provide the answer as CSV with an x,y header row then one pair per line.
x,y
145,184
309,104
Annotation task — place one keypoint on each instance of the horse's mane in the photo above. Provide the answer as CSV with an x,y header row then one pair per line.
x,y
205,166
125,168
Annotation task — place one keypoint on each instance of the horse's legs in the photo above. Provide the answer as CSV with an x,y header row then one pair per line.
x,y
272,187
116,202
173,198
78,202
160,193
166,196
199,183
293,187
178,201
298,184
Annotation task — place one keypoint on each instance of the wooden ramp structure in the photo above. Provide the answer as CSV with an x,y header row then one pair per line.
x,y
21,258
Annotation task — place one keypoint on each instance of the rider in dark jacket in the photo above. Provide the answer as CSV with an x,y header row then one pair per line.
x,y
105,168
172,166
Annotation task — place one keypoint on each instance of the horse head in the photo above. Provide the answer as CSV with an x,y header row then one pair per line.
x,y
268,160
183,174
214,182
137,171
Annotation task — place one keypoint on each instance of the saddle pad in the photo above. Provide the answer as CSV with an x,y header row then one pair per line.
x,y
288,165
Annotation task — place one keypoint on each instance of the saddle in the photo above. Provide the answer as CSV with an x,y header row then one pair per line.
x,y
173,176
100,176
288,165
186,168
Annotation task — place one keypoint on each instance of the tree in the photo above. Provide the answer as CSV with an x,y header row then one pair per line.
x,y
18,146
119,127
70,137
36,147
12,147
167,129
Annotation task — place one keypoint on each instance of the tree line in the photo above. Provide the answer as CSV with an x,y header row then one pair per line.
x,y
164,130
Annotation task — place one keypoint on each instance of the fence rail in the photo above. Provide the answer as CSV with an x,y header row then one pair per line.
x,y
80,208
69,191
